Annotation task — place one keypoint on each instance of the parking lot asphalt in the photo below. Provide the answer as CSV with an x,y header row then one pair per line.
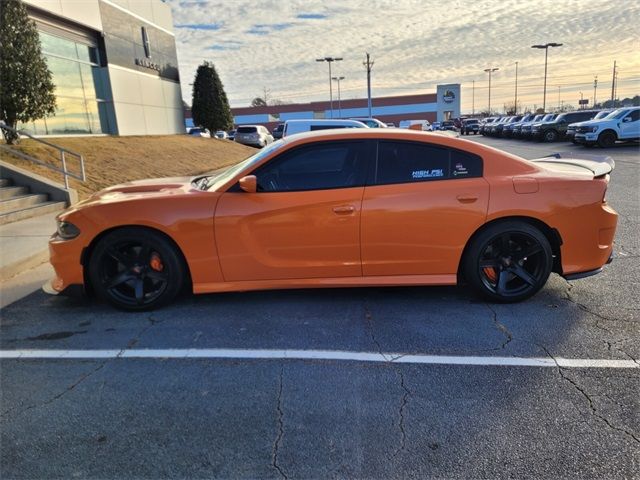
x,y
170,417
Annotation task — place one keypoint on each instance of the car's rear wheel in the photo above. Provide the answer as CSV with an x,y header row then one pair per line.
x,y
508,261
136,269
607,139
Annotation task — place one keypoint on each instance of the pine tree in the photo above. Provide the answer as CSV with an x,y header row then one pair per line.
x,y
210,107
26,87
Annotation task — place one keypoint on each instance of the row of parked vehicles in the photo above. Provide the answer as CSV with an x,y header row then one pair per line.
x,y
587,127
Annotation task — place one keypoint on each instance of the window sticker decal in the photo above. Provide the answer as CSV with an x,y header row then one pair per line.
x,y
434,173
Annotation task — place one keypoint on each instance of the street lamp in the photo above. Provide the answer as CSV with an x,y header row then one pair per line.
x,y
546,54
515,100
489,71
330,60
337,79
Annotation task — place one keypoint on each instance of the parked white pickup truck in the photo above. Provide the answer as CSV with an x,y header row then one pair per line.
x,y
621,124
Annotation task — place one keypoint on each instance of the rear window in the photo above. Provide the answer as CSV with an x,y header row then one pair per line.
x,y
246,130
405,162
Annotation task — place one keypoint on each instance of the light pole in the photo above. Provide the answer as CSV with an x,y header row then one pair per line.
x,y
473,99
330,60
337,79
546,54
595,87
489,71
515,101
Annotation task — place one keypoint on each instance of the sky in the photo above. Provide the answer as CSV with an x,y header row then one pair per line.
x,y
415,45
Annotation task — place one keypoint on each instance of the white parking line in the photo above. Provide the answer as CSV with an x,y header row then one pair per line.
x,y
336,355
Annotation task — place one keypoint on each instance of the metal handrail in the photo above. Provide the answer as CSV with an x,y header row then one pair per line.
x,y
61,150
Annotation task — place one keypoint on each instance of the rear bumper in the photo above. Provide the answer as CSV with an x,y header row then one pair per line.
x,y
588,273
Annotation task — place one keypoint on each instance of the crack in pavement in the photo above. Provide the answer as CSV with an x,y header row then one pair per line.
x,y
276,443
598,318
592,407
403,404
406,392
87,375
500,326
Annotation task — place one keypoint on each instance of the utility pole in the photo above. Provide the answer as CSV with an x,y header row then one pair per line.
x,y
368,65
515,99
595,87
613,84
473,99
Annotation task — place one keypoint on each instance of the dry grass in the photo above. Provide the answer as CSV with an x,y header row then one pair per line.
x,y
113,160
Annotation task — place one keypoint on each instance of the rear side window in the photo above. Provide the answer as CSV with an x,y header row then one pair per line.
x,y
246,130
406,162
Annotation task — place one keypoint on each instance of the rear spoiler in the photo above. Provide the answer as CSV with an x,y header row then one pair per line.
x,y
599,165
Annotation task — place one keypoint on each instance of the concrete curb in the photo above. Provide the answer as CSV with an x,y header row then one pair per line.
x,y
22,265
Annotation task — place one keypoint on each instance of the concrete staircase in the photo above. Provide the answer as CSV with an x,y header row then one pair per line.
x,y
17,202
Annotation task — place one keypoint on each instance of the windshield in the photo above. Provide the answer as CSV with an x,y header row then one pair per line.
x,y
220,180
619,113
548,117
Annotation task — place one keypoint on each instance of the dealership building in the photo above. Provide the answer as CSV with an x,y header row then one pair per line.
x,y
439,106
114,66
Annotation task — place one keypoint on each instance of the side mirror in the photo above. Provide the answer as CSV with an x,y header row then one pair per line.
x,y
249,183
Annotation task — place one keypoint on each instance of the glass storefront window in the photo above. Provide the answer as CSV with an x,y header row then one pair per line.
x,y
79,84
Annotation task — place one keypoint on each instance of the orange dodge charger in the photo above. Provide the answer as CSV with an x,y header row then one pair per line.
x,y
343,208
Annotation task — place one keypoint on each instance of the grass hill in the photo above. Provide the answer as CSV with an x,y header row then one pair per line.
x,y
112,160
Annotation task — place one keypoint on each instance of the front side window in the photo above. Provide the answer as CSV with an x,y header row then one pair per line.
x,y
406,162
322,166
633,116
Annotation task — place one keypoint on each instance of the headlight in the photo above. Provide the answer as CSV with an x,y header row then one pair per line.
x,y
67,230
593,129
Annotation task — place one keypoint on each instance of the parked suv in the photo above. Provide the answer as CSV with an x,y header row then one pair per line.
x,y
507,129
527,130
621,124
557,128
469,126
254,135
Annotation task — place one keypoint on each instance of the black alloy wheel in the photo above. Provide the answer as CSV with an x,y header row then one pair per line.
x,y
136,269
607,139
509,262
550,136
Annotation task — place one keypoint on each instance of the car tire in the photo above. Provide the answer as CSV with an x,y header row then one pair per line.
x,y
607,139
508,261
136,269
550,136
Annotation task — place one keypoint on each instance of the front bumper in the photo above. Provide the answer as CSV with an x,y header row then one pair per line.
x,y
585,137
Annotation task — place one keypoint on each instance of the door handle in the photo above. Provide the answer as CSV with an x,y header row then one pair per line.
x,y
466,198
344,209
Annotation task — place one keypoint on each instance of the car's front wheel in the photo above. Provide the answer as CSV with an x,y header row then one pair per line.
x,y
550,136
508,262
607,139
136,269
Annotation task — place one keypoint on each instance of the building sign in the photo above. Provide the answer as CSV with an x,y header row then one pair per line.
x,y
449,96
143,62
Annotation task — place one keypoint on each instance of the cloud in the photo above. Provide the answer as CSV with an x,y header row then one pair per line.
x,y
414,49
312,16
200,26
